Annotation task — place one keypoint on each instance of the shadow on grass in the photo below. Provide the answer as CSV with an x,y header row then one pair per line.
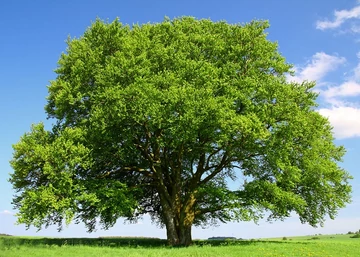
x,y
242,242
98,242
13,242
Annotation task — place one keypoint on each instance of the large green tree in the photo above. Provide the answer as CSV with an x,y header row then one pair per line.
x,y
190,121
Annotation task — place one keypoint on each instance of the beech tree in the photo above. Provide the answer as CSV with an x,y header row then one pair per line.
x,y
190,121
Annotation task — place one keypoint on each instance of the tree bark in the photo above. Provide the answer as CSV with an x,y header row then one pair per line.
x,y
178,215
178,222
178,225
185,238
177,234
186,218
171,228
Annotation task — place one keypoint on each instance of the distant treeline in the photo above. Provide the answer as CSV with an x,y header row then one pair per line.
x,y
223,238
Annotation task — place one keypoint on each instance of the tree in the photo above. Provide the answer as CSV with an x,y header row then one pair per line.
x,y
190,121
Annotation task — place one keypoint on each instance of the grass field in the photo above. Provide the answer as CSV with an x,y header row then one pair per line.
x,y
322,246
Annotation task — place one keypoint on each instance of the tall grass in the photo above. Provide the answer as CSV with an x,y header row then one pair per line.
x,y
105,247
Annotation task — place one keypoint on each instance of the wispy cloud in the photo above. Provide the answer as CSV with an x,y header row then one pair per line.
x,y
347,89
317,68
6,212
340,17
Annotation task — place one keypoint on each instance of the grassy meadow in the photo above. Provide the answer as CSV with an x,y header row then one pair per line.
x,y
321,245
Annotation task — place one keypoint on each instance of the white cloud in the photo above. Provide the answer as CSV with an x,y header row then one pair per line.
x,y
339,18
339,102
317,68
344,111
344,119
346,89
6,212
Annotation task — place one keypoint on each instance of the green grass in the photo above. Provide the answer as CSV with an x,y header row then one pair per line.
x,y
339,237
324,246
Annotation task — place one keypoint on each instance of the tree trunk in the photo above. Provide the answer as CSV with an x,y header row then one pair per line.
x,y
185,238
171,228
186,220
178,218
178,234
178,227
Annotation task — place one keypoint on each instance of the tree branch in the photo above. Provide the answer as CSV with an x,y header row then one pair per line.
x,y
218,169
209,158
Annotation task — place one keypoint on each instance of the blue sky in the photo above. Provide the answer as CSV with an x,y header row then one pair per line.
x,y
321,38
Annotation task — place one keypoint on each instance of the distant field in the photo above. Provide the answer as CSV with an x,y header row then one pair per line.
x,y
338,237
322,246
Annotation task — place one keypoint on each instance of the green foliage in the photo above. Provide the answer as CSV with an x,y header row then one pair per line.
x,y
159,118
357,235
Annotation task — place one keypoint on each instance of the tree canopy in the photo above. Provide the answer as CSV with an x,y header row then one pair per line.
x,y
190,121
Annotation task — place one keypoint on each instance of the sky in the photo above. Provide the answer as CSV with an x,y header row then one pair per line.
x,y
320,38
